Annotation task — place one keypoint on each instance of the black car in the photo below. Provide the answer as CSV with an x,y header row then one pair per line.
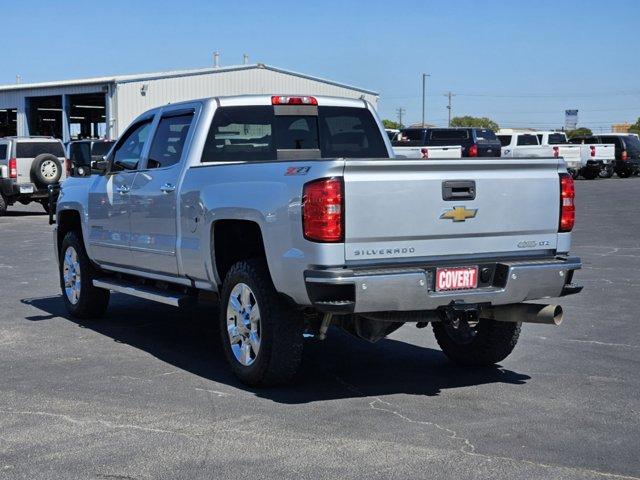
x,y
475,142
83,152
627,151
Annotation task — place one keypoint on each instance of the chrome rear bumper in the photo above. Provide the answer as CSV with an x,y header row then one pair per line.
x,y
407,289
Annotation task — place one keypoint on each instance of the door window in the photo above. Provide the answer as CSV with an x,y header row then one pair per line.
x,y
527,139
127,153
169,140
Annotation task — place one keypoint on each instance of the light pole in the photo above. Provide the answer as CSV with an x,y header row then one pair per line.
x,y
424,89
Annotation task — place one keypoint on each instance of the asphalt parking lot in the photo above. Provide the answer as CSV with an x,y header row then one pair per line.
x,y
144,393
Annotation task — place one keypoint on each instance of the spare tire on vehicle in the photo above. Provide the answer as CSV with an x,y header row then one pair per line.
x,y
46,170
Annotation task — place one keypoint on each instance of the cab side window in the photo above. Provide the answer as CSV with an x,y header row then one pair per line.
x,y
169,140
128,152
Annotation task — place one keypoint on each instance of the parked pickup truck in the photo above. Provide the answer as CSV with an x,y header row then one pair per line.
x,y
586,160
626,147
411,143
293,213
417,142
523,145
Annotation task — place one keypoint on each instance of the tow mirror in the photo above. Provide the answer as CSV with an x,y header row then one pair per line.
x,y
100,167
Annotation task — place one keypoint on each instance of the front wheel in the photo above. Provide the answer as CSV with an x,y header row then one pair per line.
x,y
261,335
481,343
606,172
77,273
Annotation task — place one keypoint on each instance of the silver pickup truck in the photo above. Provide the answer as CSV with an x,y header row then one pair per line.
x,y
294,215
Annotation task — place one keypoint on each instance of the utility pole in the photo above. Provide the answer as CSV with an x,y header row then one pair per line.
x,y
449,95
400,111
424,89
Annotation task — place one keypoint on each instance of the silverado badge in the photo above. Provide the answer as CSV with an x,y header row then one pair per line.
x,y
459,214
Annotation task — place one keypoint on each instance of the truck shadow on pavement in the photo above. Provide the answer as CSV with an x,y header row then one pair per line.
x,y
340,367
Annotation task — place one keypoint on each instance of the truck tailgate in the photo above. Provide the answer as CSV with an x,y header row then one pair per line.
x,y
397,208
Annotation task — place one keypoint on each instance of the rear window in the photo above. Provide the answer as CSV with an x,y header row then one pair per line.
x,y
33,149
485,135
449,135
557,138
617,141
632,144
505,140
3,152
79,153
256,134
101,148
527,140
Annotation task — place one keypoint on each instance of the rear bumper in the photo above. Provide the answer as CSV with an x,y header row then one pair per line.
x,y
410,289
10,189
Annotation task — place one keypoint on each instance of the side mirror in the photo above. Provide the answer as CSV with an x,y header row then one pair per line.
x,y
100,167
126,164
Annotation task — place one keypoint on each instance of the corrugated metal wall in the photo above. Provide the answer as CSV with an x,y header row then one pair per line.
x,y
131,103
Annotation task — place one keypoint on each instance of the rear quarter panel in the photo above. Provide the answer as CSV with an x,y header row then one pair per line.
x,y
267,193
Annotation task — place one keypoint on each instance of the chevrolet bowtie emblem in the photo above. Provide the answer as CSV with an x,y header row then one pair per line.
x,y
459,214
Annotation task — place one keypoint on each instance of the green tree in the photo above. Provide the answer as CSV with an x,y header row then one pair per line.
x,y
391,124
478,122
578,132
635,128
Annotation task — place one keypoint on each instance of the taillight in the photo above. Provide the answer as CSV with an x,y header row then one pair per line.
x,y
567,203
281,100
472,151
593,150
13,168
67,166
322,210
425,152
556,152
624,155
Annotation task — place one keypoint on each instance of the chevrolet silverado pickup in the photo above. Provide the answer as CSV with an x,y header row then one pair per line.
x,y
590,161
292,214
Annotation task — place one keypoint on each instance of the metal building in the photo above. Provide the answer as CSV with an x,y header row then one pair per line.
x,y
104,106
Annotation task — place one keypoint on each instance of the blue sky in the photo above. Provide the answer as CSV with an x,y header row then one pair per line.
x,y
520,63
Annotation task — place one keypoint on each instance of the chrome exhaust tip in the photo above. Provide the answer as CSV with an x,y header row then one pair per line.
x,y
525,313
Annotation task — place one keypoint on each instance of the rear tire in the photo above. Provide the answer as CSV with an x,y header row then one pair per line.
x,y
623,173
77,273
3,205
606,172
484,344
590,174
261,334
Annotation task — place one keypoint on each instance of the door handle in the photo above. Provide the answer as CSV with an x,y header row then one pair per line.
x,y
123,189
167,188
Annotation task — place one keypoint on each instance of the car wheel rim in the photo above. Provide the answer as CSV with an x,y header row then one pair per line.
x,y
48,169
461,331
71,275
243,324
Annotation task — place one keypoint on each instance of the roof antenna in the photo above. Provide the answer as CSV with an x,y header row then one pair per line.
x,y
245,59
216,59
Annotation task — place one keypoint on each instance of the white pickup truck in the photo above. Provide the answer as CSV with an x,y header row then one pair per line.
x,y
411,143
590,161
292,212
523,145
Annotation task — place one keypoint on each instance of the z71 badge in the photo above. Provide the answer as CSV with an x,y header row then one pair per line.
x,y
297,171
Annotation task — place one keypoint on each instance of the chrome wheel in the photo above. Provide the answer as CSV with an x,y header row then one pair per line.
x,y
71,275
243,324
49,169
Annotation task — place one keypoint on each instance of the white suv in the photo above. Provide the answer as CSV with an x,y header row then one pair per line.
x,y
28,165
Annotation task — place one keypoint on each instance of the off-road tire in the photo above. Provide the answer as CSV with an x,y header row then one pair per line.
x,y
93,301
281,328
36,170
3,205
493,342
